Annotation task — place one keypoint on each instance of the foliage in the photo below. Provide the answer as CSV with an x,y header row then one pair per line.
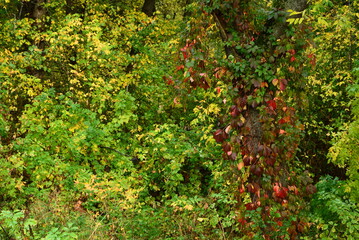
x,y
334,216
184,125
257,76
16,226
344,151
329,101
88,124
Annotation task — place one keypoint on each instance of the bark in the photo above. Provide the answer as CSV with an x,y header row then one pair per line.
x,y
296,5
149,7
32,9
73,6
39,11
35,10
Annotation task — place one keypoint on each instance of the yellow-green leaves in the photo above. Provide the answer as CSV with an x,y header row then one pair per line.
x,y
293,17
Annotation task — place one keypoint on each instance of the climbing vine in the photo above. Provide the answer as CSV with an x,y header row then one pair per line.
x,y
257,79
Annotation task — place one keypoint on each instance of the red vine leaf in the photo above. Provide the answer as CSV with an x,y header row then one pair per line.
x,y
234,111
283,84
180,67
219,135
272,104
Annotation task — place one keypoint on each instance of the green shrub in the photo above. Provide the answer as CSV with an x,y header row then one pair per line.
x,y
345,150
14,225
333,214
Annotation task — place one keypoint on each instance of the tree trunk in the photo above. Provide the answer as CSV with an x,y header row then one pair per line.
x,y
149,7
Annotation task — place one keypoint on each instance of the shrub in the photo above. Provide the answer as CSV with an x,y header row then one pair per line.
x,y
333,214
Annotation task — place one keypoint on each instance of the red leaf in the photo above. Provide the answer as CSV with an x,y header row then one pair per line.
x,y
272,104
280,191
227,148
219,135
291,51
242,221
276,187
246,160
185,55
270,161
180,67
283,84
282,121
292,59
216,75
234,111
168,80
250,206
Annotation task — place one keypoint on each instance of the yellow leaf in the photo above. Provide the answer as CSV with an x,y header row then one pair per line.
x,y
188,207
74,128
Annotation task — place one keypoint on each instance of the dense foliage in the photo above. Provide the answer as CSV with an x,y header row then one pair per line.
x,y
179,119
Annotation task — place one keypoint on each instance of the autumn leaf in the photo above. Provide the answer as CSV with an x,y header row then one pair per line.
x,y
218,90
275,82
283,84
240,165
219,135
272,104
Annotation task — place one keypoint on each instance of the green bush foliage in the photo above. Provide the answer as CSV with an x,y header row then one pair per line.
x,y
331,84
345,151
334,215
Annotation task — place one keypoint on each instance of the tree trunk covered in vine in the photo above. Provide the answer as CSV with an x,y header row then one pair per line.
x,y
260,132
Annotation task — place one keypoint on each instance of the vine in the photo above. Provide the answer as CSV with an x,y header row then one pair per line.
x,y
262,68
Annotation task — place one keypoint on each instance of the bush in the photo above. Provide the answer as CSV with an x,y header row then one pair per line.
x,y
333,214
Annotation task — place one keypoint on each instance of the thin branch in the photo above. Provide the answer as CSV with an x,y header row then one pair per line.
x,y
115,151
